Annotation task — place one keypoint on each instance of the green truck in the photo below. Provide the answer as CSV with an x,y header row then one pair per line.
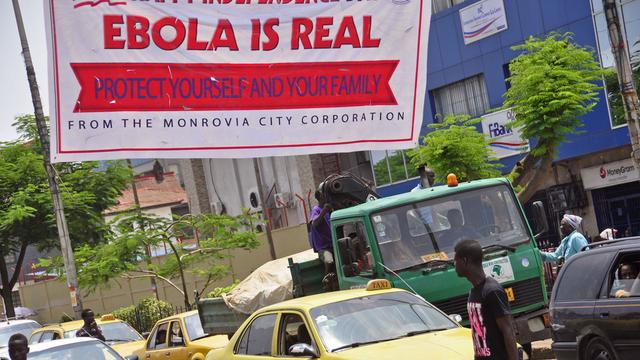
x,y
409,239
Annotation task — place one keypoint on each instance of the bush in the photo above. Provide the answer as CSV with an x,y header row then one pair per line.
x,y
217,292
145,314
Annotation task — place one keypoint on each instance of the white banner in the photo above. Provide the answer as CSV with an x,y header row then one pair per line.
x,y
234,78
609,174
504,141
482,19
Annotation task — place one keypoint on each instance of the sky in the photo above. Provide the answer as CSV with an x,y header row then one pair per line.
x,y
15,97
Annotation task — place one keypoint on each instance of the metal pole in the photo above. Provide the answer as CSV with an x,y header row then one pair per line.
x,y
61,222
625,77
256,167
147,250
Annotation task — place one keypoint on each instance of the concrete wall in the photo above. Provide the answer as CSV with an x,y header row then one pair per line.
x,y
50,299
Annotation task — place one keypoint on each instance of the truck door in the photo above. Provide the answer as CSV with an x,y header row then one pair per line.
x,y
354,259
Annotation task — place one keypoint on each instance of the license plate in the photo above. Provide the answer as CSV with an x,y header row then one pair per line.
x,y
510,295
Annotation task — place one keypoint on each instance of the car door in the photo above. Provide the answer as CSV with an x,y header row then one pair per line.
x,y
176,342
292,330
574,296
617,311
157,346
256,341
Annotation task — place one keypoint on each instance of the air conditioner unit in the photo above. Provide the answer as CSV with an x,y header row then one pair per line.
x,y
217,207
253,200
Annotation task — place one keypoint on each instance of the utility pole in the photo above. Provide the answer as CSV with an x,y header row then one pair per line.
x,y
625,76
147,250
256,168
61,221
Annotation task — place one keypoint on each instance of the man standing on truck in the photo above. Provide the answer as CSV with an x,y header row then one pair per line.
x,y
570,245
321,232
487,305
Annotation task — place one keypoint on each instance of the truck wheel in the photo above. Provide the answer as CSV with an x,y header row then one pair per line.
x,y
598,349
527,349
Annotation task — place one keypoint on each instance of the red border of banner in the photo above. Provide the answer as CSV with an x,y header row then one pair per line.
x,y
59,133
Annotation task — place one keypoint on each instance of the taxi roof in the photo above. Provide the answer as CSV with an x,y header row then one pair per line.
x,y
180,315
312,301
410,197
73,325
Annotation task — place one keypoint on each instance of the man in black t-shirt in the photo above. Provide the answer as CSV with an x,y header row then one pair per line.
x,y
488,307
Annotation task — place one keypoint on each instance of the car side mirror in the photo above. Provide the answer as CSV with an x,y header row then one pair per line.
x,y
455,317
302,349
540,218
146,334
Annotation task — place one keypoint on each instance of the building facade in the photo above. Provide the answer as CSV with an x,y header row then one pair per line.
x,y
466,74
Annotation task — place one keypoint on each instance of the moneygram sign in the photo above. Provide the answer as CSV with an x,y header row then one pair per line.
x,y
618,172
234,78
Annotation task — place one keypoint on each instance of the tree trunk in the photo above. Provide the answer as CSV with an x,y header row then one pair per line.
x,y
8,302
538,178
187,303
8,283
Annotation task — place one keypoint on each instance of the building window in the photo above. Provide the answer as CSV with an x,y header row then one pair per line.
x,y
439,5
629,11
391,166
468,96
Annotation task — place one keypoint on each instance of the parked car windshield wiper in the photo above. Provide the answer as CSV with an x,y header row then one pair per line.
x,y
488,248
418,332
359,343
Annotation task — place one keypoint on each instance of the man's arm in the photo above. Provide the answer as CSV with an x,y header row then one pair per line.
x,y
508,336
317,221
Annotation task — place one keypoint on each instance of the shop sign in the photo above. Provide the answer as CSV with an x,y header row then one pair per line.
x,y
613,173
482,19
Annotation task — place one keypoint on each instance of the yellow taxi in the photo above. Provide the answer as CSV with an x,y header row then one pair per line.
x,y
180,337
118,334
373,323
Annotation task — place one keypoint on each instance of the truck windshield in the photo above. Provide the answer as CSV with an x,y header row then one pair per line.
x,y
376,318
417,233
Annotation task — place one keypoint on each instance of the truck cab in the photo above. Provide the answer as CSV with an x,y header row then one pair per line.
x,y
409,239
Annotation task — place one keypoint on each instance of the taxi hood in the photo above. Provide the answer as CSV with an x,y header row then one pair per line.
x,y
454,344
127,348
212,342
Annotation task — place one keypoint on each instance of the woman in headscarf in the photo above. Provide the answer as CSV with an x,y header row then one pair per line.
x,y
572,242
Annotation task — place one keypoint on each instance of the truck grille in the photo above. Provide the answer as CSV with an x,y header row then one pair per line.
x,y
526,292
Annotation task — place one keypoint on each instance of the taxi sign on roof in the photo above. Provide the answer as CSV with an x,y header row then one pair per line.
x,y
378,284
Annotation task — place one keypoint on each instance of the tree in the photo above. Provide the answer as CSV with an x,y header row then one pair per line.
x,y
26,210
123,255
396,165
553,83
456,147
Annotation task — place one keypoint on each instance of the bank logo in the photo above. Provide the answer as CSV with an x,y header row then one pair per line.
x,y
93,3
603,173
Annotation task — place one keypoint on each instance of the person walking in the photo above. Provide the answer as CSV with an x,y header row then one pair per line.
x,y
488,307
90,327
570,245
18,347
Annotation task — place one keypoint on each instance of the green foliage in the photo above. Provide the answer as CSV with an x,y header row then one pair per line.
x,y
456,147
553,83
396,164
124,252
217,292
616,105
145,314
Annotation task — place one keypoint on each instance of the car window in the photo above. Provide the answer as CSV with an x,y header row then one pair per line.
x,y
159,338
292,331
582,278
35,338
362,256
376,318
624,278
46,336
25,329
93,350
119,332
194,327
175,335
257,339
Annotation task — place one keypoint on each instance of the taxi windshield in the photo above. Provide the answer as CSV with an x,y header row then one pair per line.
x,y
93,350
417,233
113,332
376,318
